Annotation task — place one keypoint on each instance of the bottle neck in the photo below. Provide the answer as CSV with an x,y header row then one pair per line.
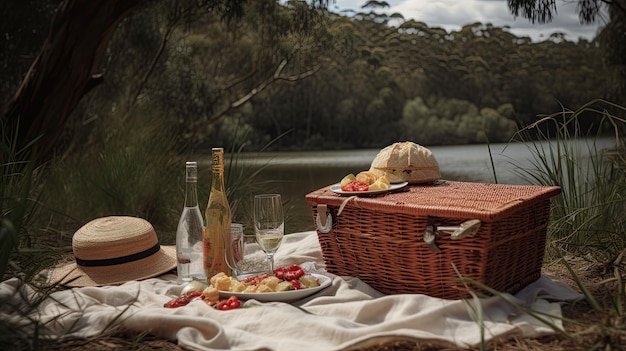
x,y
191,184
191,194
217,179
217,169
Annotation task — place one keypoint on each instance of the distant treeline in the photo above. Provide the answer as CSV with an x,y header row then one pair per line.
x,y
317,80
377,84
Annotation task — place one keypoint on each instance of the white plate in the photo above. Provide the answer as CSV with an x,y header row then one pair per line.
x,y
394,186
282,295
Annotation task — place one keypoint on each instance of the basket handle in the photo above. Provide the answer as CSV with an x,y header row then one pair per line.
x,y
466,229
323,220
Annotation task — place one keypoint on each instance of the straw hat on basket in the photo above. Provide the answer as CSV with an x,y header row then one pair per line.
x,y
114,250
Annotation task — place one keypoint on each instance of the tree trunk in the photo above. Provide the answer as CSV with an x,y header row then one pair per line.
x,y
64,71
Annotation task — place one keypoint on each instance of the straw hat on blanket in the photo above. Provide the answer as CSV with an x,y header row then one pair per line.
x,y
114,250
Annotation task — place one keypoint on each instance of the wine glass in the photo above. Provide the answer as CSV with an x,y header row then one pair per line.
x,y
269,224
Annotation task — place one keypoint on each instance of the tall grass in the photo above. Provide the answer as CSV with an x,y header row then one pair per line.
x,y
22,252
127,169
19,201
244,181
587,218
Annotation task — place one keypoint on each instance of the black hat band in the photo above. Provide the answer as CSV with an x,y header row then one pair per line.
x,y
119,260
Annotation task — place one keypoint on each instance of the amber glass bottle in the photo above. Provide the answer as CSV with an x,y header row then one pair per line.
x,y
218,218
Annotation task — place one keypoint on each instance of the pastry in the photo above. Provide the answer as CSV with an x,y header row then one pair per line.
x,y
406,162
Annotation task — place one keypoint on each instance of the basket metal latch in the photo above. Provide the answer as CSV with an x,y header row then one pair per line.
x,y
429,238
466,229
323,220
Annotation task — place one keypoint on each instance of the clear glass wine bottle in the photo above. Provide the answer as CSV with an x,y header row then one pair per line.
x,y
218,219
189,248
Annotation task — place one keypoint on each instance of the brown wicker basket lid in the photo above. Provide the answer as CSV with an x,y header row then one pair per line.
x,y
448,199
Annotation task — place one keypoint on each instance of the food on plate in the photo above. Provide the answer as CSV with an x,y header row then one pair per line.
x,y
289,273
381,183
308,281
221,281
284,279
211,294
366,177
267,284
347,179
406,162
396,163
355,185
364,181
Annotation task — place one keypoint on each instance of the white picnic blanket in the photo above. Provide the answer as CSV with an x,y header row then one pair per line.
x,y
347,314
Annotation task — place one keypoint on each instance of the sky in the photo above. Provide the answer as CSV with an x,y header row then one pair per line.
x,y
453,14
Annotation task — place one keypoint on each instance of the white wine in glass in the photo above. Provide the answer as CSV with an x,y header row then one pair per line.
x,y
269,224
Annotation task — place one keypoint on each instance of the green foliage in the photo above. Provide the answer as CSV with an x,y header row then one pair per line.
x,y
133,165
587,218
203,70
127,168
213,75
24,26
18,200
454,121
242,182
610,39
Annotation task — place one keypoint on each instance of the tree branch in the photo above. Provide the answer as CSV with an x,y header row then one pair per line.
x,y
63,71
169,30
617,5
262,86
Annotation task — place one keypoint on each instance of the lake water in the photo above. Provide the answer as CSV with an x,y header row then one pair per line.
x,y
299,173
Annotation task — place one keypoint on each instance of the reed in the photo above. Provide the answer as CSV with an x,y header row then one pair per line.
x,y
587,218
19,202
128,168
22,253
242,181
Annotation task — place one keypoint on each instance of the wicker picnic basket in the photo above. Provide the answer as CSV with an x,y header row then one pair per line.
x,y
381,239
